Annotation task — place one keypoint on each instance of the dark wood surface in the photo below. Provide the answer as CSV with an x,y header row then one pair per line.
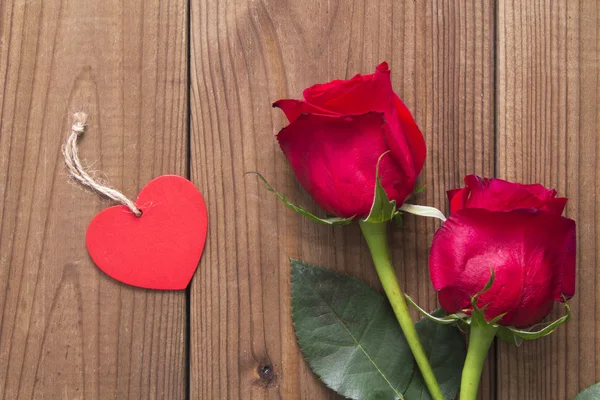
x,y
499,88
245,55
547,131
67,331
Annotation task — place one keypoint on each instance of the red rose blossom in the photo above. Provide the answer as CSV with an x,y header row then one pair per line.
x,y
517,231
337,134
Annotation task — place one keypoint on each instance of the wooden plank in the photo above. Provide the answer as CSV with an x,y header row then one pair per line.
x,y
66,329
548,107
246,54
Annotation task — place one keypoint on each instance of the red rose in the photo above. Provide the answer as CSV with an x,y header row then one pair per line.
x,y
517,231
337,134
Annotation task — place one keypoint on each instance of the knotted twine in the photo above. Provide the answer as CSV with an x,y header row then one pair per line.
x,y
71,153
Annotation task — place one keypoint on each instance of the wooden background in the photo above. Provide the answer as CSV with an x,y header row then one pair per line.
x,y
505,88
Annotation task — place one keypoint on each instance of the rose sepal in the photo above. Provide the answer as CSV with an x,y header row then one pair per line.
x,y
327,221
423,211
548,328
382,209
445,320
460,318
508,334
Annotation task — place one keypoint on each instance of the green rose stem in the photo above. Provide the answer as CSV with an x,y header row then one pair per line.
x,y
480,339
376,237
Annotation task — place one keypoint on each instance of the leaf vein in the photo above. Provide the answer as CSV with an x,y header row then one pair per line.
x,y
353,338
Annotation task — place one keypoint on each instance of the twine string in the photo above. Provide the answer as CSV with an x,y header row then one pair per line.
x,y
73,163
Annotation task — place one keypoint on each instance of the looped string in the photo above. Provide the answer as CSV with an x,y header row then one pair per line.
x,y
71,153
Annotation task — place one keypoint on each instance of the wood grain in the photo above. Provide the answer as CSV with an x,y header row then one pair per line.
x,y
67,330
246,54
548,107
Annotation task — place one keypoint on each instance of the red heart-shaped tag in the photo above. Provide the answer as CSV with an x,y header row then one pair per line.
x,y
162,248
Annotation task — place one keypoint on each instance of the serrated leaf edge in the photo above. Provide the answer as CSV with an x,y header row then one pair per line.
x,y
292,261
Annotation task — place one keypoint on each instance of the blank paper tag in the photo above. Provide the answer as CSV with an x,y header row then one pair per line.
x,y
162,248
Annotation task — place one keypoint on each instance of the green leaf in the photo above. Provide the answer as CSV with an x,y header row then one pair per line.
x,y
350,338
302,211
591,393
349,335
382,209
446,350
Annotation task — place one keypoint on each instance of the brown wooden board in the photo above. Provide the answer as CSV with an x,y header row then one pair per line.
x,y
66,329
548,107
247,54
499,88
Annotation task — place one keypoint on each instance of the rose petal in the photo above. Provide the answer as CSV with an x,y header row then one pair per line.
x,y
322,93
463,253
414,138
366,93
556,205
457,199
501,195
359,95
552,251
334,92
335,157
294,108
532,253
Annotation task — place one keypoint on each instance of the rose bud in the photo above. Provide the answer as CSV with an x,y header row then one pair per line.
x,y
517,231
337,134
